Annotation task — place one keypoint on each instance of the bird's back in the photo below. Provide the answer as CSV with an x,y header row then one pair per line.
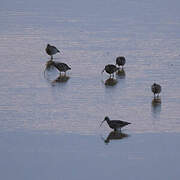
x,y
156,88
120,61
110,68
51,50
117,123
62,67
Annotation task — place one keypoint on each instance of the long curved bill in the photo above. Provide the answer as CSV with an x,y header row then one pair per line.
x,y
101,123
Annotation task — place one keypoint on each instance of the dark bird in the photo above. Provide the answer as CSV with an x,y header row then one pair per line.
x,y
120,61
51,50
115,124
110,69
62,67
156,89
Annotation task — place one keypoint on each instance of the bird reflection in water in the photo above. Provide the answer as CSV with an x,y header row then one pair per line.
x,y
49,65
121,73
61,79
114,135
156,106
110,82
49,72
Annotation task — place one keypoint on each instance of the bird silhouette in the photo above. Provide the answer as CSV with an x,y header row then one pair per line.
x,y
115,124
51,50
110,69
156,89
120,61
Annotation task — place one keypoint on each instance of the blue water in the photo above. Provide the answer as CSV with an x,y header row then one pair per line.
x,y
90,34
72,156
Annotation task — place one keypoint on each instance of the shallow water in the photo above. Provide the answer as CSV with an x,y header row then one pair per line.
x,y
90,34
72,156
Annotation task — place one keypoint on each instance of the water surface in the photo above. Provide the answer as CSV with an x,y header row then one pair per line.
x,y
90,35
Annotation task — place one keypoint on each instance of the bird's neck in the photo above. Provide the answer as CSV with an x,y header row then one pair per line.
x,y
108,121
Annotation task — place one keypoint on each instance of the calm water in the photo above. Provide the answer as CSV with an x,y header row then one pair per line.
x,y
90,35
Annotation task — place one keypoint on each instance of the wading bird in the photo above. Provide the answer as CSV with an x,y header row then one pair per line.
x,y
110,69
51,50
120,61
156,89
115,124
62,67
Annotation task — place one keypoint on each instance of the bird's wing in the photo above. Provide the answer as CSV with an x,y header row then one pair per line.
x,y
120,122
55,48
58,63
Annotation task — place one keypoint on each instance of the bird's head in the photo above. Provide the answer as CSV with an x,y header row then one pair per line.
x,y
105,119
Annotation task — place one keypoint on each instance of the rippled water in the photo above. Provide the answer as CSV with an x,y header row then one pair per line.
x,y
89,39
90,35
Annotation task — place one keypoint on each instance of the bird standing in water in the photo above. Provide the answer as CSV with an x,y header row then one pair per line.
x,y
120,61
51,50
156,89
62,67
110,69
115,124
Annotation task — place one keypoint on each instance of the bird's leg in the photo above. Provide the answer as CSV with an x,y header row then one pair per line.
x,y
51,57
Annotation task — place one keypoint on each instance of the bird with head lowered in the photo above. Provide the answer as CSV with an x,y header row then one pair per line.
x,y
51,50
